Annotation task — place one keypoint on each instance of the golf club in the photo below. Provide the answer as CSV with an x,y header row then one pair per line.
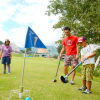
x,y
55,80
62,78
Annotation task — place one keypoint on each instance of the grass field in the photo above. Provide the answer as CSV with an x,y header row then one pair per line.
x,y
39,73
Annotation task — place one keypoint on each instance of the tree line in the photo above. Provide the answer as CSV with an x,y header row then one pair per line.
x,y
82,16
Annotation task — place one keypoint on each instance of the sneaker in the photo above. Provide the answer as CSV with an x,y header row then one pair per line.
x,y
87,92
9,72
82,88
72,82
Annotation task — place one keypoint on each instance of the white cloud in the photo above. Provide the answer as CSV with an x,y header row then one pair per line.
x,y
29,13
3,35
7,10
36,1
18,36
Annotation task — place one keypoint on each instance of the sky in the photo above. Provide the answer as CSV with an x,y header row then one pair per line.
x,y
17,15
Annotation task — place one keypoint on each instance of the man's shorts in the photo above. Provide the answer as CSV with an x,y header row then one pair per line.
x,y
70,60
6,60
87,72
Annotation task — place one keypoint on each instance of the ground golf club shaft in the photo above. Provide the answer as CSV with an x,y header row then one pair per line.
x,y
63,78
73,70
57,71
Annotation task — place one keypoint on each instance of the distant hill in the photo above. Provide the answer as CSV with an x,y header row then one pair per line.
x,y
15,47
52,50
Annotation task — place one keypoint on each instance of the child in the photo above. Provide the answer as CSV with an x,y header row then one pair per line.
x,y
87,57
6,55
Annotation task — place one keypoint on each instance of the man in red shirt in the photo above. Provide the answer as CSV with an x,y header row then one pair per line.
x,y
70,47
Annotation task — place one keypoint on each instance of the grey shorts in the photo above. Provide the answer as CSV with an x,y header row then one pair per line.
x,y
70,60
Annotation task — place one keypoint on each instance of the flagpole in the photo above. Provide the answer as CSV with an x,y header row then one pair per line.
x,y
22,77
32,40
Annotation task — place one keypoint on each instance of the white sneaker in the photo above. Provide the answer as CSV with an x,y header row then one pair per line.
x,y
83,88
72,82
87,92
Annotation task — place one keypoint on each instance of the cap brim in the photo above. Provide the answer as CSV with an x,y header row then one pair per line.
x,y
80,41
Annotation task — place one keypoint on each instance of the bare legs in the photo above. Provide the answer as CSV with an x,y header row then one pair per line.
x,y
87,84
6,65
66,72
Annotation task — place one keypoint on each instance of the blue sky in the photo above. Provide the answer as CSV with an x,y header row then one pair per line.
x,y
17,15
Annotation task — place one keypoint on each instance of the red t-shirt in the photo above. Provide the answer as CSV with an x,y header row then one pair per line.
x,y
70,44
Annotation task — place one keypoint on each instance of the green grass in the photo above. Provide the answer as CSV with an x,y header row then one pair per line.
x,y
39,73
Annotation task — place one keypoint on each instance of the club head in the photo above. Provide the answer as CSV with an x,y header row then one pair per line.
x,y
63,79
54,80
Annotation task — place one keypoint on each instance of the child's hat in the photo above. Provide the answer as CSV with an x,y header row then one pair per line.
x,y
81,39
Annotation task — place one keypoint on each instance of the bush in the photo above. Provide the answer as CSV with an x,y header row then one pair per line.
x,y
17,54
55,56
97,71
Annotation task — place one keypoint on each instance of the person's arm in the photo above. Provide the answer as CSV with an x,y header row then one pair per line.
x,y
10,52
87,57
82,58
78,51
62,51
77,48
82,55
1,51
10,55
0,54
92,55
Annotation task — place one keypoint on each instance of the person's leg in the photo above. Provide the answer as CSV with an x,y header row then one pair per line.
x,y
88,90
84,76
8,65
4,68
83,79
89,78
4,64
73,74
88,85
65,70
66,65
72,77
84,83
74,62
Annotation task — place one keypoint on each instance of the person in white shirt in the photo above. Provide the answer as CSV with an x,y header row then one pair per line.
x,y
87,57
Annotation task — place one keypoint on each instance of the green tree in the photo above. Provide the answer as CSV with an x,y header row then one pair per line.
x,y
59,46
1,42
83,16
28,50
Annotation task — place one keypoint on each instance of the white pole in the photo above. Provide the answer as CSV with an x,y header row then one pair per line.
x,y
22,77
